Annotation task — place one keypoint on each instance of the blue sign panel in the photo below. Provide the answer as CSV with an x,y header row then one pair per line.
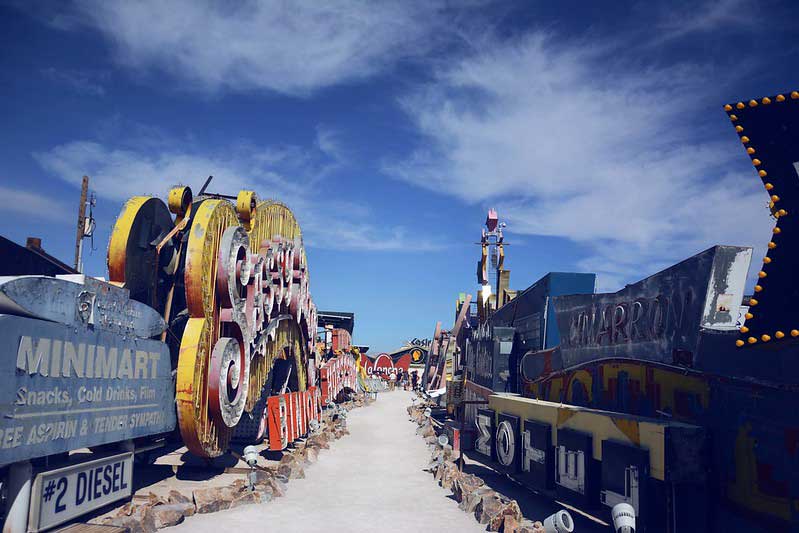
x,y
72,387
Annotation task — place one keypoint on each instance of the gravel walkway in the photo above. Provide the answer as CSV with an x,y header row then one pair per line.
x,y
370,480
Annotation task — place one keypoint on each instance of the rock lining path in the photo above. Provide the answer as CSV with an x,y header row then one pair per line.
x,y
370,480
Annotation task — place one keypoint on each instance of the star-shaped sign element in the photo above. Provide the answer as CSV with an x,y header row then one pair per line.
x,y
769,131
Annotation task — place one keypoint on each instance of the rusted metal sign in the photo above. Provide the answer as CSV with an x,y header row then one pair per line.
x,y
658,316
78,300
288,416
246,296
338,373
66,388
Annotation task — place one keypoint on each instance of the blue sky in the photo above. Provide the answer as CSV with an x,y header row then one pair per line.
x,y
595,128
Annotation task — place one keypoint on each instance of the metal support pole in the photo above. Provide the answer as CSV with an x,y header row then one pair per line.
x,y
20,476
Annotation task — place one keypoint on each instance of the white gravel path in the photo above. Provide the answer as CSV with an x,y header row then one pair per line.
x,y
370,480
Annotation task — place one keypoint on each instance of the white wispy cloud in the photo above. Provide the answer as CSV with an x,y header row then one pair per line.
x,y
90,82
679,21
285,173
18,201
568,143
582,140
327,142
288,47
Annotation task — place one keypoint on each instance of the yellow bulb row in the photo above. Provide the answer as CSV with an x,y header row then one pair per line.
x,y
773,199
764,101
764,337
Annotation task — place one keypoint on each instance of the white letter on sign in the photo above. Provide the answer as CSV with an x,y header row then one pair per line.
x,y
530,454
483,443
506,443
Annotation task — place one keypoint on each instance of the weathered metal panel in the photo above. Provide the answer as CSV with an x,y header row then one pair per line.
x,y
562,284
625,476
645,432
536,364
78,300
491,348
72,387
529,313
656,319
725,288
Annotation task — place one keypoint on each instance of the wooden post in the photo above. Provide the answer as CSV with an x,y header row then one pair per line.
x,y
84,188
